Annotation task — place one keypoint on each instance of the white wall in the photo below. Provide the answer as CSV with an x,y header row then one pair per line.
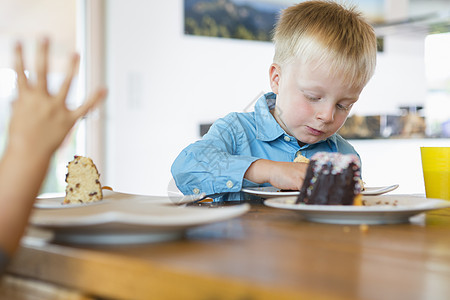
x,y
395,161
163,84
399,78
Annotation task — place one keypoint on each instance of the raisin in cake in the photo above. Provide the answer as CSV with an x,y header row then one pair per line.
x,y
331,178
83,184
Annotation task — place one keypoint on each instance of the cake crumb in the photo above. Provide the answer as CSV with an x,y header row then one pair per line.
x,y
364,228
358,200
302,159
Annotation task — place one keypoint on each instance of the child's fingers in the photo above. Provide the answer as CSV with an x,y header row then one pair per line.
x,y
19,66
73,67
42,64
90,103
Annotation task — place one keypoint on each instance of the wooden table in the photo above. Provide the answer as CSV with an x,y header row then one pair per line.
x,y
266,254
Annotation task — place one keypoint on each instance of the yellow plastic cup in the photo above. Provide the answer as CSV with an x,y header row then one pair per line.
x,y
436,171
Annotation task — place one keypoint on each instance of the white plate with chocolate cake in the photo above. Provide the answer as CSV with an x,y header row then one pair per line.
x,y
331,193
383,209
271,192
328,158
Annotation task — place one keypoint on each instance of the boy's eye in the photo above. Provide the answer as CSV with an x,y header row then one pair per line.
x,y
342,107
312,98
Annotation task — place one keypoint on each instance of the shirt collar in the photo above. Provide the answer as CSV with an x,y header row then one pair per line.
x,y
332,139
267,128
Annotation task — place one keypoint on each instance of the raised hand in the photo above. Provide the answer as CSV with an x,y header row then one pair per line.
x,y
41,120
39,123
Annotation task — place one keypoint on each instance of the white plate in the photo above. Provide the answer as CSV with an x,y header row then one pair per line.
x,y
124,219
268,192
385,209
271,192
379,190
110,197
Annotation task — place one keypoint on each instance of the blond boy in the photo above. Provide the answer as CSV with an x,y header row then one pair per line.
x,y
324,56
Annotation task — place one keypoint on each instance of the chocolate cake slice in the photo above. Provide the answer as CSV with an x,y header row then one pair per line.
x,y
331,179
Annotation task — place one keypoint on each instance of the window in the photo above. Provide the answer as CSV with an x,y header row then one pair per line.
x,y
437,68
57,20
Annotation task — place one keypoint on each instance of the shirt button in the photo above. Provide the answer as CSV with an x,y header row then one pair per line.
x,y
196,191
229,184
287,139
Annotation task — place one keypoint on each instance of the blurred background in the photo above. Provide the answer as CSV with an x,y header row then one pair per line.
x,y
174,67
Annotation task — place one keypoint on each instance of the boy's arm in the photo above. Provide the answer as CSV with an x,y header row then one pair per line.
x,y
39,123
210,166
214,164
282,175
205,167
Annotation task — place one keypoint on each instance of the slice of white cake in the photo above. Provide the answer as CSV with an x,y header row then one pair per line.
x,y
83,181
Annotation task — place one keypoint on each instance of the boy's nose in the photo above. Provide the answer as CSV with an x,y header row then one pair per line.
x,y
325,113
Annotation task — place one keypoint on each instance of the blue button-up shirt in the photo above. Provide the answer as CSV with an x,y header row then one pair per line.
x,y
216,164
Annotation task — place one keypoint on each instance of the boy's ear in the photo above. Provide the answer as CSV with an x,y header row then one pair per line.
x,y
274,74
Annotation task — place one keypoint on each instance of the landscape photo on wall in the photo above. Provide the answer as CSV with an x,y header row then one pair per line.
x,y
249,19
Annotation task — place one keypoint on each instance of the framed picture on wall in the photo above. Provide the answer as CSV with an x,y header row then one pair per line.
x,y
250,19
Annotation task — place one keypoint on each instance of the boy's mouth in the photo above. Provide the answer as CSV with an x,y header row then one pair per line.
x,y
314,131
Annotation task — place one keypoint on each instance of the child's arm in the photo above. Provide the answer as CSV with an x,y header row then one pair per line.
x,y
39,123
217,163
223,162
282,175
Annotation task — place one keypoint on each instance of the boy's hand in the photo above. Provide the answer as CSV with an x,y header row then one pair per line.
x,y
282,175
40,121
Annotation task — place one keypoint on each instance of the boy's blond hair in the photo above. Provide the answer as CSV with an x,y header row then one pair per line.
x,y
327,32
